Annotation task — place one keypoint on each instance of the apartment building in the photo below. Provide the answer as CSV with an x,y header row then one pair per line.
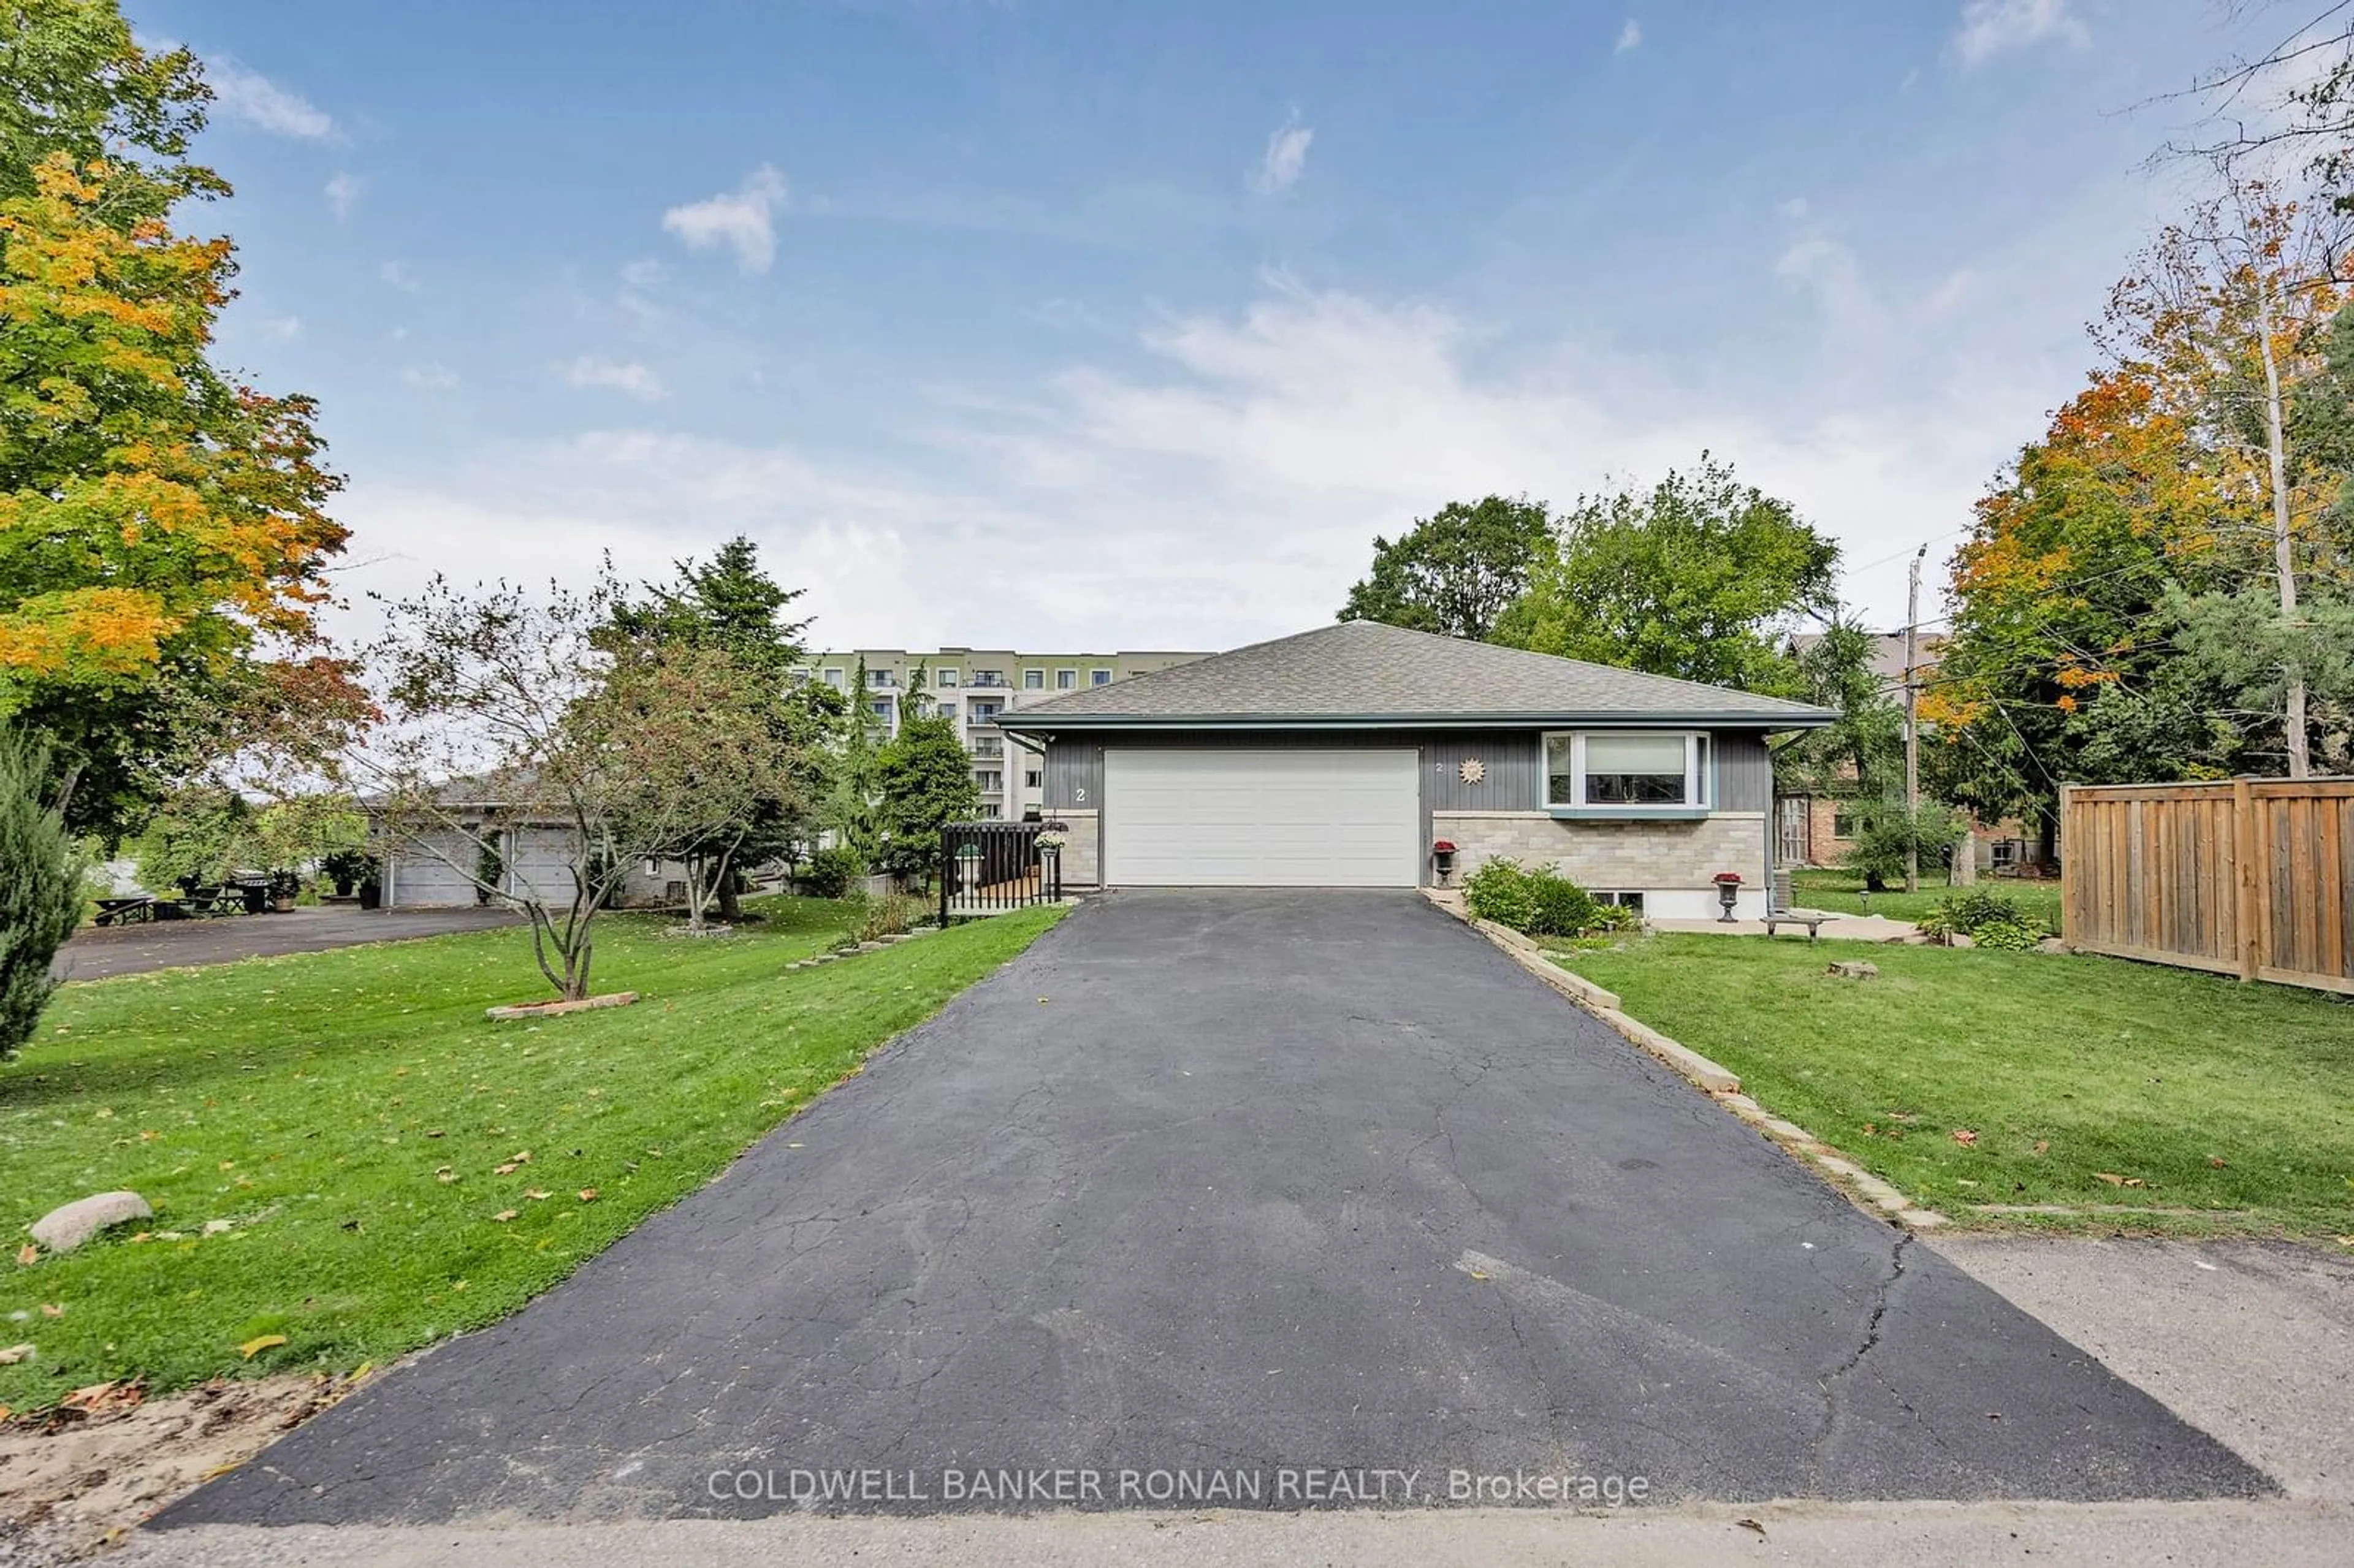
x,y
970,687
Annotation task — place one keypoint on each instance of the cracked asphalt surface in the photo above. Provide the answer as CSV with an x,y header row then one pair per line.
x,y
1242,1181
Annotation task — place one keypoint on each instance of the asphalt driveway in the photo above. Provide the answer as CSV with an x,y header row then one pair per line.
x,y
1234,1184
97,952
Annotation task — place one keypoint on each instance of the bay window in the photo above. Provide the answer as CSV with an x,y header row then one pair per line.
x,y
1626,771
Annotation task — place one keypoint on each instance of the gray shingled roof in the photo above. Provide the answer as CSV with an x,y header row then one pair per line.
x,y
1361,672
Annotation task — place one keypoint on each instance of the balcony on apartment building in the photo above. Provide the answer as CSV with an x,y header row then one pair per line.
x,y
990,680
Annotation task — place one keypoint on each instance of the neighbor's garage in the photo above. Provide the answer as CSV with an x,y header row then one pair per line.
x,y
1239,817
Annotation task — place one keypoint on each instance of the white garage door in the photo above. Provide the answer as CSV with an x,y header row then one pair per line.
x,y
1261,818
423,880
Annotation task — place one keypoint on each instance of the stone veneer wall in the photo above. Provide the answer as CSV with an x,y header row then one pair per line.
x,y
1634,857
1082,848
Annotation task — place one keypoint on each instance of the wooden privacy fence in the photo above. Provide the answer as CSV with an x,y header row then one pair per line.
x,y
2249,878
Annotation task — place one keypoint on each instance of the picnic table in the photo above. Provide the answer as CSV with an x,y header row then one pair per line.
x,y
124,911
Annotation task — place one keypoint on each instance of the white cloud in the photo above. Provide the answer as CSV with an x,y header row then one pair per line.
x,y
1250,460
283,328
618,376
644,274
344,193
744,222
1989,27
397,274
434,377
250,96
1286,158
1630,37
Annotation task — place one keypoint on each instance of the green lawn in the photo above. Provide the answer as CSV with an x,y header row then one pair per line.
x,y
363,1128
1843,890
2208,1094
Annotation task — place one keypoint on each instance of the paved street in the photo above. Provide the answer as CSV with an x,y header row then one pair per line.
x,y
95,953
1230,1185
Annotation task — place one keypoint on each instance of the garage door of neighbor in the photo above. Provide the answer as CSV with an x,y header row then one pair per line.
x,y
1323,818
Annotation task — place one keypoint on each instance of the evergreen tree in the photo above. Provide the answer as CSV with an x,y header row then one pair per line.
x,y
40,890
925,780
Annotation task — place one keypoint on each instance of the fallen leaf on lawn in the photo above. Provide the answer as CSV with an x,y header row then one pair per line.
x,y
15,1353
509,1169
4,1412
2217,1161
433,1132
229,1165
107,1396
2042,1145
445,1174
259,1344
460,1286
523,1156
51,1309
28,1253
2114,1180
215,1227
1966,1137
146,1136
1475,1274
588,1194
145,1235
504,1215
536,1193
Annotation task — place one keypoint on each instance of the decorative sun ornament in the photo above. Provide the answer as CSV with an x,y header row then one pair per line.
x,y
1472,771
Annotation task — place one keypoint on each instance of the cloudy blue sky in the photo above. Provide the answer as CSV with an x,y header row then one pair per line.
x,y
1118,326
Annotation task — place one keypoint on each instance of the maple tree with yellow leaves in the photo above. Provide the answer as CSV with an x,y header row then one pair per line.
x,y
162,528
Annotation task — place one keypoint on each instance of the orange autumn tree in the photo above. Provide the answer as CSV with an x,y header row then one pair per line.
x,y
159,523
2123,609
2058,665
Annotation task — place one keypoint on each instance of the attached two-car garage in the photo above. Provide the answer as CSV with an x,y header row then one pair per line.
x,y
1321,817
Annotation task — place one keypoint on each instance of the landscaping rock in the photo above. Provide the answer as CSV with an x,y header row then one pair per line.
x,y
2052,945
867,947
1853,969
558,1009
62,1230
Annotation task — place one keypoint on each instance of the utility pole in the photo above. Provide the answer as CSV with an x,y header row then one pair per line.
x,y
1912,724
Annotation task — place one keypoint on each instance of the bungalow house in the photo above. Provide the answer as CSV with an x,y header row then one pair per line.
x,y
520,852
1340,756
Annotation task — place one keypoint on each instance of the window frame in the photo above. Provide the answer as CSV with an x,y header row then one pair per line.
x,y
945,677
1034,680
1698,765
1099,677
1066,679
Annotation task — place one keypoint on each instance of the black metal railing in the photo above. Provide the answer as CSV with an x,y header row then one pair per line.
x,y
988,867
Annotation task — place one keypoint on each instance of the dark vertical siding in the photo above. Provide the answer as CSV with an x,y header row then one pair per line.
x,y
1073,763
1512,770
1744,773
